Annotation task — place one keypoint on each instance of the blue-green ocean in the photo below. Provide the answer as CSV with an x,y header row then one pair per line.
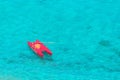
x,y
84,36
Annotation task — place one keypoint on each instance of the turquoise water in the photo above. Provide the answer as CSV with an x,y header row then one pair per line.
x,y
84,36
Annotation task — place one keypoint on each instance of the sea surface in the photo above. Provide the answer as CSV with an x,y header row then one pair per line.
x,y
84,36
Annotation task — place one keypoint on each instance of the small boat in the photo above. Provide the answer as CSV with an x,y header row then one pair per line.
x,y
39,48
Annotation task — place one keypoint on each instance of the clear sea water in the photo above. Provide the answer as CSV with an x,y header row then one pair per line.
x,y
84,36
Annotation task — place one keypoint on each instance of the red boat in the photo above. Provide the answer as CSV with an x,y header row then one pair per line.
x,y
38,48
